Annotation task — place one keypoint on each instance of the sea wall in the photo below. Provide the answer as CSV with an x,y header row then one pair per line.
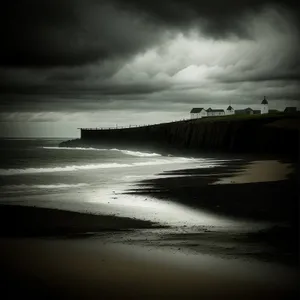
x,y
263,134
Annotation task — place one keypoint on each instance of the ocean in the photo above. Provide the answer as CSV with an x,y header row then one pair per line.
x,y
37,172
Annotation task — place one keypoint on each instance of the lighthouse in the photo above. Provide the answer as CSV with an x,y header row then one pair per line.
x,y
264,106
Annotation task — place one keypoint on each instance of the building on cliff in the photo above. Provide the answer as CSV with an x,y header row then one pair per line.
x,y
265,106
215,112
197,113
230,110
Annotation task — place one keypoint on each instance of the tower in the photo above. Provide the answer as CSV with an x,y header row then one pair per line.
x,y
264,106
229,110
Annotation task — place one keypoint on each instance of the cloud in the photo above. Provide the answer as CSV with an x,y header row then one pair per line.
x,y
216,18
72,33
69,33
76,55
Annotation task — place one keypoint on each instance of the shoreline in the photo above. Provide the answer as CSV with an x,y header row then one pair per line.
x,y
213,191
182,152
53,253
244,191
263,135
221,189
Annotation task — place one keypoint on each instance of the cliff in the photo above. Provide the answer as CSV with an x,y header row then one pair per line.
x,y
267,134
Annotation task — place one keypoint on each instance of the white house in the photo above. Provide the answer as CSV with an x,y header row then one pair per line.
x,y
215,112
197,113
264,106
229,110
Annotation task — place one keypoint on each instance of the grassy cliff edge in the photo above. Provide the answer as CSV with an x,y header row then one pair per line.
x,y
266,134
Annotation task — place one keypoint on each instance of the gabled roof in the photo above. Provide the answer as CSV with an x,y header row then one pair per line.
x,y
248,108
264,101
217,110
196,110
229,107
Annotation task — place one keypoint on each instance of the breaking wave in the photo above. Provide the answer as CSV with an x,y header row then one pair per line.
x,y
72,168
127,152
73,148
137,153
61,169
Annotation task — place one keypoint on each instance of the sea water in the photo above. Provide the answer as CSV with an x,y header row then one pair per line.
x,y
37,172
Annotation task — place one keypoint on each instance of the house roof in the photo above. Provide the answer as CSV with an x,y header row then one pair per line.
x,y
248,108
196,110
290,109
229,107
217,110
264,101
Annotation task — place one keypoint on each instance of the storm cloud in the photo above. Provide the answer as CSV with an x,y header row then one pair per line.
x,y
115,56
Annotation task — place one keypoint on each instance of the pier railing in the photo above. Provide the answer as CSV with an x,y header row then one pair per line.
x,y
129,126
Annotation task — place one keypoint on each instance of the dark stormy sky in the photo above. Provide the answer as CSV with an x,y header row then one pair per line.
x,y
71,63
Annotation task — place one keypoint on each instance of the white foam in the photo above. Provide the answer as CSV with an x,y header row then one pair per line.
x,y
73,148
127,152
72,168
137,153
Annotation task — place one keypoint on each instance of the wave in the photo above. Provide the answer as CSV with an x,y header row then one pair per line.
x,y
127,152
43,186
137,153
7,172
72,168
72,148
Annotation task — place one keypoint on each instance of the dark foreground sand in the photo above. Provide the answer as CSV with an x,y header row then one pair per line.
x,y
20,221
56,254
92,269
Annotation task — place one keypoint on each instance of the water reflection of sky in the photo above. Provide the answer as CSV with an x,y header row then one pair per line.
x,y
163,212
105,195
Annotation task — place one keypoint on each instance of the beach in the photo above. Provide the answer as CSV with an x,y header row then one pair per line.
x,y
150,150
229,231
93,269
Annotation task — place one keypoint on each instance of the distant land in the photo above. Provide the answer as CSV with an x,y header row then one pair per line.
x,y
273,133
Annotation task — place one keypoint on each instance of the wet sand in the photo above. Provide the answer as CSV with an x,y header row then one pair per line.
x,y
29,221
86,256
256,191
260,171
93,269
